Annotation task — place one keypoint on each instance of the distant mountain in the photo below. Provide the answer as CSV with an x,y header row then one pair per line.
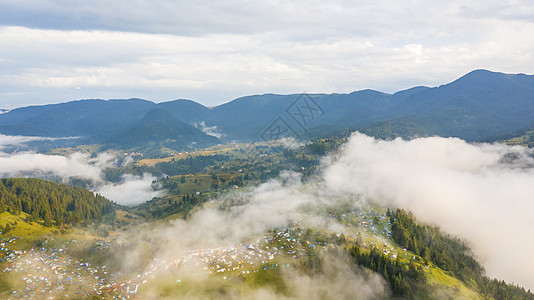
x,y
93,119
186,110
479,105
248,117
160,128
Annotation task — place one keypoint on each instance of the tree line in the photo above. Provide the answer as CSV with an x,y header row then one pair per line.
x,y
52,202
403,279
450,254
188,165
158,208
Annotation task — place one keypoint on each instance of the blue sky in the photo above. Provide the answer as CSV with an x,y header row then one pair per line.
x,y
215,51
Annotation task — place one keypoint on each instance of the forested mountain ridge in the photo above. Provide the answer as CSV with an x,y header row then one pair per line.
x,y
92,119
435,250
479,105
476,106
52,202
160,128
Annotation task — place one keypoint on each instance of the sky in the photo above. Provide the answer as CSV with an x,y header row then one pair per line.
x,y
215,51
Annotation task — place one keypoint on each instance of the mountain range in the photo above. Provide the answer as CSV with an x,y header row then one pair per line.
x,y
477,106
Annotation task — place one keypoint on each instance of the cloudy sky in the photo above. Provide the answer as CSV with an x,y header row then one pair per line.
x,y
214,51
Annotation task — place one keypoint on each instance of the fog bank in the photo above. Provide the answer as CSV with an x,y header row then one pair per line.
x,y
481,192
132,190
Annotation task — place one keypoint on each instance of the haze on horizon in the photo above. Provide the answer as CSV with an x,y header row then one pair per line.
x,y
215,51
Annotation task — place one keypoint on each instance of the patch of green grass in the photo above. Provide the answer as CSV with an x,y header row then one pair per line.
x,y
271,278
82,148
203,183
28,232
526,139
178,287
444,286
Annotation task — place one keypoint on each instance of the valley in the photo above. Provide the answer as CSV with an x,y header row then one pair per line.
x,y
175,244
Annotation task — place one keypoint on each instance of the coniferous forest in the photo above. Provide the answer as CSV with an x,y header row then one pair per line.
x,y
52,202
449,254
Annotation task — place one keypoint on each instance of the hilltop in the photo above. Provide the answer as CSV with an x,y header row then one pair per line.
x,y
159,128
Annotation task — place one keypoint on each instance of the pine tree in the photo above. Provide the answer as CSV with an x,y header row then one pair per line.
x,y
47,220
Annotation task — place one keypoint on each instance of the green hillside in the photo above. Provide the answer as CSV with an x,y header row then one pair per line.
x,y
158,128
525,138
52,202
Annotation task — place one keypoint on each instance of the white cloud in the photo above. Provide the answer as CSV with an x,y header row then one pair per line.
x,y
239,215
243,17
482,193
209,130
20,140
132,190
291,143
214,51
35,164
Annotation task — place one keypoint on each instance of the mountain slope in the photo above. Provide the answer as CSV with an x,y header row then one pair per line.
x,y
477,105
93,119
248,117
159,127
186,110
48,201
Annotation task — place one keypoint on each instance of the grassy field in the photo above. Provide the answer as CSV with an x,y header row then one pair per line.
x,y
228,149
199,182
233,150
526,139
29,233
444,286
82,148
